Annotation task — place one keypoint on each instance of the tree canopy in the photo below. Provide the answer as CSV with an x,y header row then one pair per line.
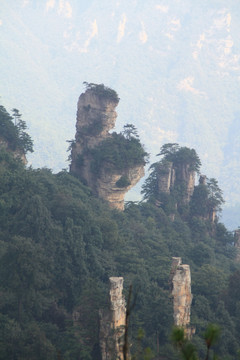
x,y
178,155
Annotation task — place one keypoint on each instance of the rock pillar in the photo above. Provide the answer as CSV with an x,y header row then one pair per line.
x,y
166,177
237,243
96,116
182,297
112,322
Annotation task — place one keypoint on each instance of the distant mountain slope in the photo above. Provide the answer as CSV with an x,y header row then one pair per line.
x,y
175,65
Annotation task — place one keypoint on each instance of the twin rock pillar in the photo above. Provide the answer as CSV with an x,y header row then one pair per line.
x,y
112,320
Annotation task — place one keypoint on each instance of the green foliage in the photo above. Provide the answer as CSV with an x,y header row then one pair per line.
x,y
172,152
187,349
181,158
71,146
15,134
210,282
206,199
118,153
102,91
130,131
8,130
211,335
150,189
215,195
123,182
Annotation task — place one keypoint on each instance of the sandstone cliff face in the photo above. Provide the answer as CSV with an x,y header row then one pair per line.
x,y
96,115
112,322
166,177
181,293
169,176
186,176
108,190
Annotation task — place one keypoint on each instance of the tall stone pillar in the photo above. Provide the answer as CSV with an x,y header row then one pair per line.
x,y
112,322
180,279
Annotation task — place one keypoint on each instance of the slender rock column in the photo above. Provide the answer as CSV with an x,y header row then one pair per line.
x,y
237,244
180,279
112,322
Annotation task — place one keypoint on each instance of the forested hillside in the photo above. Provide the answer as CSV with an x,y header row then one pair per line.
x,y
59,245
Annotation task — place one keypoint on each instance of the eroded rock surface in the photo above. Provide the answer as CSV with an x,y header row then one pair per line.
x,y
180,280
166,177
112,322
169,176
96,116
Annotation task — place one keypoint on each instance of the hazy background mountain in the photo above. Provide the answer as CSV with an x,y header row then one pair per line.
x,y
175,65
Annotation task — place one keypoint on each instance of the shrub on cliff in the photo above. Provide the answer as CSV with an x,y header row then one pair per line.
x,y
102,91
118,153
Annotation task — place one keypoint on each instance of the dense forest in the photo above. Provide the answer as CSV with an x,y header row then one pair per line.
x,y
59,245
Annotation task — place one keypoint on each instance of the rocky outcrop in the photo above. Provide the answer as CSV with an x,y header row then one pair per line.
x,y
170,175
96,116
187,177
180,280
108,190
112,322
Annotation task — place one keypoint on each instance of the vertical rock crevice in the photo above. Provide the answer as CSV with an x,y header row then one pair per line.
x,y
169,176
